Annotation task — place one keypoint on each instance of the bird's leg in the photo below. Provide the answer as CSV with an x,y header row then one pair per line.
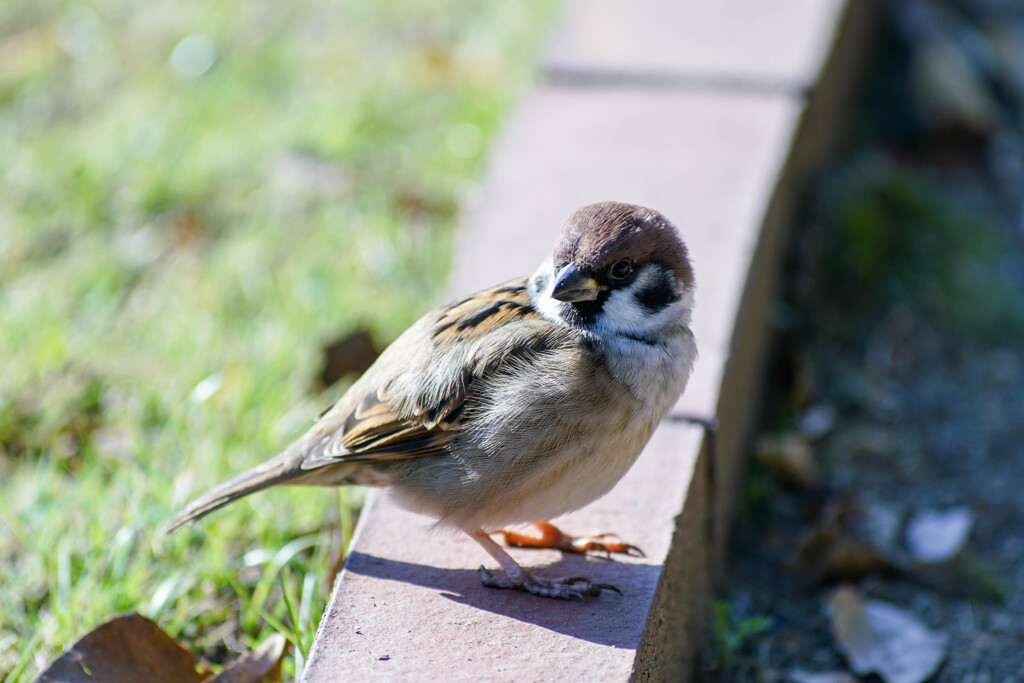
x,y
547,535
514,576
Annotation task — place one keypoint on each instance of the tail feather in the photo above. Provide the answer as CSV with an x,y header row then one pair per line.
x,y
279,470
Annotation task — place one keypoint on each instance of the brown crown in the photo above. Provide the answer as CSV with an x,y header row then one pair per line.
x,y
597,235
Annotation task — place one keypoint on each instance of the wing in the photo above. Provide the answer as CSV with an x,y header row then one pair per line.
x,y
417,411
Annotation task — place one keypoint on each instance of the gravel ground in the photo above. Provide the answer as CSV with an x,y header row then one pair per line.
x,y
900,362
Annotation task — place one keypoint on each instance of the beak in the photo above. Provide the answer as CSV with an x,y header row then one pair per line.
x,y
572,285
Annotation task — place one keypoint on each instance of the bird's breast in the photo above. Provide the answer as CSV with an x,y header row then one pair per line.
x,y
565,438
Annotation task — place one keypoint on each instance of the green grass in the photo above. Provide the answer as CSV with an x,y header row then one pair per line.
x,y
194,197
731,632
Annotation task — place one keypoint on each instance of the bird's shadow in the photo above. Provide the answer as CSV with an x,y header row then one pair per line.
x,y
610,619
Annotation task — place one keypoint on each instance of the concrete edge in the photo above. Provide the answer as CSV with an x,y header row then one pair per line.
x,y
677,619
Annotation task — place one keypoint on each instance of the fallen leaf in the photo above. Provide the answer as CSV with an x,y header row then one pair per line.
x,y
127,648
833,555
834,552
855,538
934,536
877,637
418,204
349,355
791,459
262,664
184,228
134,648
818,421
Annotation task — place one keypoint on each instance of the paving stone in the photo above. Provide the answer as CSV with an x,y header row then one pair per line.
x,y
731,42
717,161
409,604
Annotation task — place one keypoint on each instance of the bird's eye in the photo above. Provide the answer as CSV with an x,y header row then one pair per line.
x,y
621,269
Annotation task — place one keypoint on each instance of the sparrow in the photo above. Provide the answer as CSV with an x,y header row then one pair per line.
x,y
519,403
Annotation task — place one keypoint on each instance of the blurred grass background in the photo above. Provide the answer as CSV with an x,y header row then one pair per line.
x,y
194,197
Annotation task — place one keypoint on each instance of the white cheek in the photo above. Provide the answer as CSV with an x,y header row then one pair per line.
x,y
552,309
621,312
686,303
623,315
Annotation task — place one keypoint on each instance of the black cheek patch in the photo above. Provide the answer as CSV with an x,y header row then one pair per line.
x,y
658,293
584,312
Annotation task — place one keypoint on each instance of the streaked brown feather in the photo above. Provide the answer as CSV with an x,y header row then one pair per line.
x,y
479,315
381,429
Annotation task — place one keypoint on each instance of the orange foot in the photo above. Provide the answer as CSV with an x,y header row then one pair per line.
x,y
547,535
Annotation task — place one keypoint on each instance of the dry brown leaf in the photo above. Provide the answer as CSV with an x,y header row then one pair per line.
x,y
833,551
134,648
262,664
877,637
127,648
184,228
349,355
791,459
834,556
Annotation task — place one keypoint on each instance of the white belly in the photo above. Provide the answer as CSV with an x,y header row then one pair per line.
x,y
605,449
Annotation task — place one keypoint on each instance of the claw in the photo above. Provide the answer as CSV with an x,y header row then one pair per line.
x,y
592,588
573,588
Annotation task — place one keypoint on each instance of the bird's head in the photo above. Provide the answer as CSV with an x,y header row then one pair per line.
x,y
617,270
